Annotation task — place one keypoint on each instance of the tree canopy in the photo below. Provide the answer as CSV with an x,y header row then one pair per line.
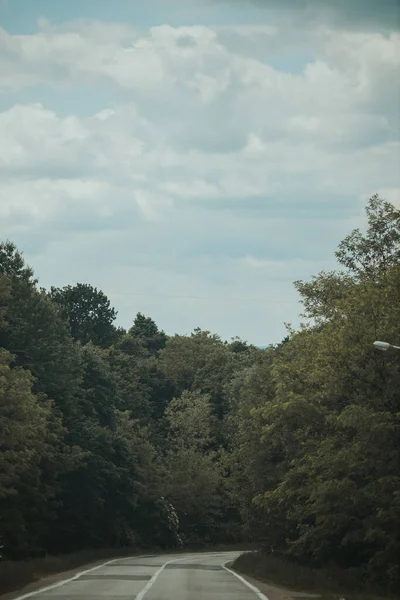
x,y
88,313
113,438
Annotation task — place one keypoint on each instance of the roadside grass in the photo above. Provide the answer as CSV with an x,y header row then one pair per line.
x,y
330,583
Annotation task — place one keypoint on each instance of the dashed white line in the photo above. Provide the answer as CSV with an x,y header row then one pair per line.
x,y
151,582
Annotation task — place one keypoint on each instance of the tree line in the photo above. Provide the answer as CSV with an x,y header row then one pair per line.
x,y
112,437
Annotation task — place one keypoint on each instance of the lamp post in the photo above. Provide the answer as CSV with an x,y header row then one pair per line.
x,y
385,346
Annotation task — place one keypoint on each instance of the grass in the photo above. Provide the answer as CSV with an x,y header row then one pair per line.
x,y
330,583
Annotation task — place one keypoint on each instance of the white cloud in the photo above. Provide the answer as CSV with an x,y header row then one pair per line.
x,y
32,136
25,204
211,174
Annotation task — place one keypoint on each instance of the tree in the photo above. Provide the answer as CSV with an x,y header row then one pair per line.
x,y
238,345
91,427
33,456
88,312
134,438
378,250
190,420
160,390
104,500
147,333
113,498
101,393
184,357
12,263
192,471
338,472
362,256
331,428
35,333
251,462
5,288
145,388
127,359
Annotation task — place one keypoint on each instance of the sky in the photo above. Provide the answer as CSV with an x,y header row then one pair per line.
x,y
193,158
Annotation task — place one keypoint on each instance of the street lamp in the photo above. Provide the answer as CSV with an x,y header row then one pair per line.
x,y
385,346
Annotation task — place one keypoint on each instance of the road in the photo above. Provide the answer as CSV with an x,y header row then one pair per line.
x,y
200,576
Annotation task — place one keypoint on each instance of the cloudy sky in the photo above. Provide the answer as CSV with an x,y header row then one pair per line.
x,y
192,158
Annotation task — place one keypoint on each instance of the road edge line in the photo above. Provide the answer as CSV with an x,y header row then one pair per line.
x,y
247,583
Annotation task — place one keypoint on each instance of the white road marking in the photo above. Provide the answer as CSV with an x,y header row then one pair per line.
x,y
152,581
53,586
249,585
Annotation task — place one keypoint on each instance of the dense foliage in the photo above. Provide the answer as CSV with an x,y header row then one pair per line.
x,y
111,437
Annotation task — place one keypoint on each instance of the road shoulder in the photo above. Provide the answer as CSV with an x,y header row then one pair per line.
x,y
277,593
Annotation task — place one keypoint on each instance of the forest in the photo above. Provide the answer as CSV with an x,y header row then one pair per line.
x,y
112,437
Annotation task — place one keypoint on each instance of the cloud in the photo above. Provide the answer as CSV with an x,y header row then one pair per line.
x,y
212,175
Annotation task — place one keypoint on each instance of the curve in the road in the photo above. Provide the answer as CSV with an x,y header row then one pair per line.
x,y
184,577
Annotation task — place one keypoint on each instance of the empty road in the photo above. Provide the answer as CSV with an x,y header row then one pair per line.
x,y
200,576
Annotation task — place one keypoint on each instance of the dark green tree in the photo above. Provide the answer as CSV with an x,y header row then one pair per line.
x,y
88,312
36,334
33,457
146,331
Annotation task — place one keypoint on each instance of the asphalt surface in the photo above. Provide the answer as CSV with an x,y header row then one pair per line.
x,y
197,576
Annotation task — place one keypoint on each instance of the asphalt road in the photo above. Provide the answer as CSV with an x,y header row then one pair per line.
x,y
200,576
